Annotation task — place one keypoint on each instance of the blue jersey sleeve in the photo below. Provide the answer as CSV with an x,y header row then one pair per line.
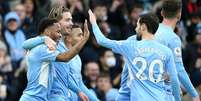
x,y
175,46
170,67
182,74
48,55
33,42
185,81
117,46
72,84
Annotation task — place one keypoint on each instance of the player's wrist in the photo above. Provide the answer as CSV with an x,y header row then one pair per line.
x,y
195,95
79,92
94,23
84,39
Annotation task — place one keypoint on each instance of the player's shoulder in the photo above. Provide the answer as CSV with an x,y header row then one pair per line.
x,y
162,47
167,50
133,37
165,32
40,49
174,41
36,51
176,37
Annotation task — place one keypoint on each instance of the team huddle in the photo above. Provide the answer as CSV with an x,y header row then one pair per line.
x,y
153,69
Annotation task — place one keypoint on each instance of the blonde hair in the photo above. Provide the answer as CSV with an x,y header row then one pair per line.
x,y
57,12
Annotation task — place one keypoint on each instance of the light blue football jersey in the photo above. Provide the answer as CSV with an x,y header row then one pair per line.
x,y
148,61
126,77
61,72
39,74
61,78
166,36
67,74
75,71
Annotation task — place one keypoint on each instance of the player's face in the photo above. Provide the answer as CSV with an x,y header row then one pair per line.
x,y
76,35
178,15
55,32
66,22
138,28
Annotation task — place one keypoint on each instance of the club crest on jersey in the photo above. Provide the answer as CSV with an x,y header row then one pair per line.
x,y
177,51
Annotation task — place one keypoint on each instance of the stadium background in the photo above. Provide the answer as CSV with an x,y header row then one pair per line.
x,y
101,68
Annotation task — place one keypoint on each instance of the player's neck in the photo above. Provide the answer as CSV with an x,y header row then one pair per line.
x,y
147,36
46,34
169,22
68,45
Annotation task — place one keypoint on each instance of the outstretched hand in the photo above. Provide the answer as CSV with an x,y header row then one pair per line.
x,y
86,30
51,44
83,97
197,98
92,17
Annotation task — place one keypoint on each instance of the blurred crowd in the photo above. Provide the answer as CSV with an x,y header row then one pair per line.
x,y
101,69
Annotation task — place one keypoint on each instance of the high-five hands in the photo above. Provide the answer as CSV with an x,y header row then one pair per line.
x,y
92,17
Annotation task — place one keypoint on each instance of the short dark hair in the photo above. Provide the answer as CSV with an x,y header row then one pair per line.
x,y
75,26
57,12
170,8
45,23
151,21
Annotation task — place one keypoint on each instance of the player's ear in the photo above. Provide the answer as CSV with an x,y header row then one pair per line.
x,y
162,13
143,27
178,16
46,31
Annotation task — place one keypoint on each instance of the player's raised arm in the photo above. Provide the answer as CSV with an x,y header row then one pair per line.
x,y
171,69
101,39
66,56
116,46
